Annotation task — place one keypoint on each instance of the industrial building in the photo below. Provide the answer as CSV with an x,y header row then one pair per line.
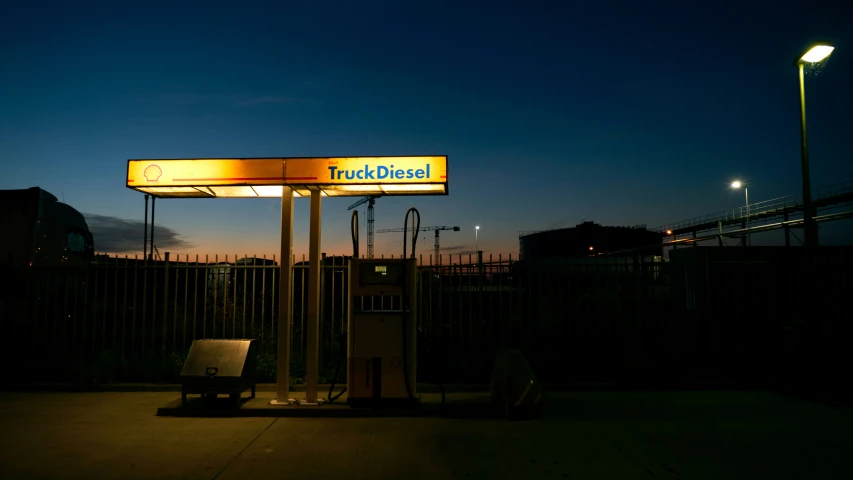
x,y
587,239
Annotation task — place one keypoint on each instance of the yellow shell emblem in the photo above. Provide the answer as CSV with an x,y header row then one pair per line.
x,y
152,173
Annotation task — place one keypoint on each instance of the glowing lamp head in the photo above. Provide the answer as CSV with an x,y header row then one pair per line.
x,y
669,232
816,53
477,227
736,184
591,249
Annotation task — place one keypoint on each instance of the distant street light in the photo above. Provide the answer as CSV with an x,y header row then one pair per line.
x,y
737,184
477,238
813,54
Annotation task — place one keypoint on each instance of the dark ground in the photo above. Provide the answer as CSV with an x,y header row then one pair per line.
x,y
582,435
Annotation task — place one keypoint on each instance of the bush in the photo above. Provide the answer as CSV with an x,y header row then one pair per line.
x,y
267,368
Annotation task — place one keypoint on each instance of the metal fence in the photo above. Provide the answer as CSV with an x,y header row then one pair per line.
x,y
769,313
587,319
130,319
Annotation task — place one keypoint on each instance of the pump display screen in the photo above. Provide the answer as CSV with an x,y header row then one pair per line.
x,y
381,273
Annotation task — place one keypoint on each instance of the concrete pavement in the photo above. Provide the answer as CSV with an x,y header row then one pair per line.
x,y
583,435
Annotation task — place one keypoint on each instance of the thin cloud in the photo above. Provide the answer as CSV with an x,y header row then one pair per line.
x,y
173,98
457,250
118,235
198,98
267,100
463,253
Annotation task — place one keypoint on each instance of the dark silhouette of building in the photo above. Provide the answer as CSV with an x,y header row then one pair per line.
x,y
39,230
587,239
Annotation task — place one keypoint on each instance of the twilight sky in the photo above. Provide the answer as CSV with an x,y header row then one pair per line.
x,y
623,113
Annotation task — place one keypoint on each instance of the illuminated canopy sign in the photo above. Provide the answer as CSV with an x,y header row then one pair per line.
x,y
264,177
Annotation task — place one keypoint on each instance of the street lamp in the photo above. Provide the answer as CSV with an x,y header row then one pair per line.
x,y
737,184
477,238
813,54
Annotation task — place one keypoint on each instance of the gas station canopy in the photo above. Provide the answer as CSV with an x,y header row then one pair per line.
x,y
264,177
313,177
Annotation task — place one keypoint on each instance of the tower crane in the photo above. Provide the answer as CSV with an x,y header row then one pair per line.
x,y
424,229
370,200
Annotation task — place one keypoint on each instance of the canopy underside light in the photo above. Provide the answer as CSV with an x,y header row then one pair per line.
x,y
264,177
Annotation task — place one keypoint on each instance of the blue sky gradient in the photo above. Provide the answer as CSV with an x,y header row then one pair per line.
x,y
619,112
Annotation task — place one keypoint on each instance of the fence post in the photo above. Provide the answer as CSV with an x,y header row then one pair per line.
x,y
321,352
720,233
165,303
787,230
481,327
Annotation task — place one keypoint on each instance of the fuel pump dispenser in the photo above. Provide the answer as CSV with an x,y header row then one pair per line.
x,y
382,325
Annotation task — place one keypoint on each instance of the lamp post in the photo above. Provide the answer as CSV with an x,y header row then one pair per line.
x,y
737,184
477,238
814,54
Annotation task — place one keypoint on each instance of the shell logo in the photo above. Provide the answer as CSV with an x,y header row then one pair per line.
x,y
152,173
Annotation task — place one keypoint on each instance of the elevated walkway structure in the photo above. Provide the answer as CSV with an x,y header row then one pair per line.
x,y
782,209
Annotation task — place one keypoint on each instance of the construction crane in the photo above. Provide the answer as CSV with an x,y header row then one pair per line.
x,y
370,200
424,229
